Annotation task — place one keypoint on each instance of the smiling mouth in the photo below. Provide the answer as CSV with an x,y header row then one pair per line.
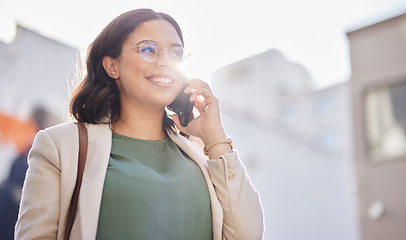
x,y
161,80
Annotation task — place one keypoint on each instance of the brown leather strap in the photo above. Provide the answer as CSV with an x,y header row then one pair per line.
x,y
81,167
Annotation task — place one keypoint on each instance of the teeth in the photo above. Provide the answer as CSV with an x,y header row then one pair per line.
x,y
162,80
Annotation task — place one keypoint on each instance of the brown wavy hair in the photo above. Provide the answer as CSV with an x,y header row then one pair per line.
x,y
97,96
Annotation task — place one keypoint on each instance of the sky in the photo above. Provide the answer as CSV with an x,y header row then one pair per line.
x,y
311,33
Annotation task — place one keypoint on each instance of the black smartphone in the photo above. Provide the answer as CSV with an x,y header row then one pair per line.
x,y
183,107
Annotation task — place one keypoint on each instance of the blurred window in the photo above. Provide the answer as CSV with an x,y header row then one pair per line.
x,y
385,114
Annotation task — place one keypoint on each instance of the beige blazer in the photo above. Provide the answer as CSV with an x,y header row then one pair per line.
x,y
51,177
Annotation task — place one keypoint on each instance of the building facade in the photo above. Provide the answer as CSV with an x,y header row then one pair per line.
x,y
378,82
35,71
296,144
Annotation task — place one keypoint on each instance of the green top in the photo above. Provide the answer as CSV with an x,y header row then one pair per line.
x,y
153,190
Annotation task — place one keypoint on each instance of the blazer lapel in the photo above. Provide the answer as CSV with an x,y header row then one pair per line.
x,y
91,191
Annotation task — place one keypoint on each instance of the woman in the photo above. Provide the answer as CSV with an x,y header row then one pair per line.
x,y
142,179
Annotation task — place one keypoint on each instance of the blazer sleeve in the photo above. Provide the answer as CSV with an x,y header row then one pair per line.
x,y
243,214
39,207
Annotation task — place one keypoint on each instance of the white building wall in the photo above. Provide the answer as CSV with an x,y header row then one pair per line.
x,y
296,145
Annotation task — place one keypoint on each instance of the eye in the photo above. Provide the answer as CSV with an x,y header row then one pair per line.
x,y
148,48
177,52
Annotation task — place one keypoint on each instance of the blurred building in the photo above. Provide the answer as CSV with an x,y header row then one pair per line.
x,y
35,72
296,144
378,82
329,164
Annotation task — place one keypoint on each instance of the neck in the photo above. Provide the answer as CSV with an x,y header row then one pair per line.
x,y
140,124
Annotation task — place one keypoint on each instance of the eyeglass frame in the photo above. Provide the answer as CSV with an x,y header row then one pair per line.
x,y
161,51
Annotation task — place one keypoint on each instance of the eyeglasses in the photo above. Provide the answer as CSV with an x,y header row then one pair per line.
x,y
151,51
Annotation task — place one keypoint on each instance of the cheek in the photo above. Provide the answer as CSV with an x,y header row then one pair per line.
x,y
130,67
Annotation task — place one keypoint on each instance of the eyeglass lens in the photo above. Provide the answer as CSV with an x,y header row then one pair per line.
x,y
151,52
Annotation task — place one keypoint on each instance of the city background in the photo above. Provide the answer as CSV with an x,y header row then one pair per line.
x,y
322,136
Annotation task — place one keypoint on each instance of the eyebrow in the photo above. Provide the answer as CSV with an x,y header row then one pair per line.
x,y
146,40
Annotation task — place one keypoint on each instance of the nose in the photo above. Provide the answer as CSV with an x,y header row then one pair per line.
x,y
164,60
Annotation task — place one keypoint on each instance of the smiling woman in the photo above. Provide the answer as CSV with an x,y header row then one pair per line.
x,y
142,179
118,44
147,79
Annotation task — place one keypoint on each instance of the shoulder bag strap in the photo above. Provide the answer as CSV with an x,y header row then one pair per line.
x,y
81,167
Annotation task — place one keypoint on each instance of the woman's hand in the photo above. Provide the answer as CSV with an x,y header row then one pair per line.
x,y
207,126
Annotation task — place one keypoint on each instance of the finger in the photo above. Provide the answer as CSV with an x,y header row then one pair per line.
x,y
196,84
207,95
200,106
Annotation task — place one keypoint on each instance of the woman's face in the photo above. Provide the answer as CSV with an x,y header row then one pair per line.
x,y
145,84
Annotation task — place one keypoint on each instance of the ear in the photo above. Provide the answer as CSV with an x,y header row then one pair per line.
x,y
110,66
